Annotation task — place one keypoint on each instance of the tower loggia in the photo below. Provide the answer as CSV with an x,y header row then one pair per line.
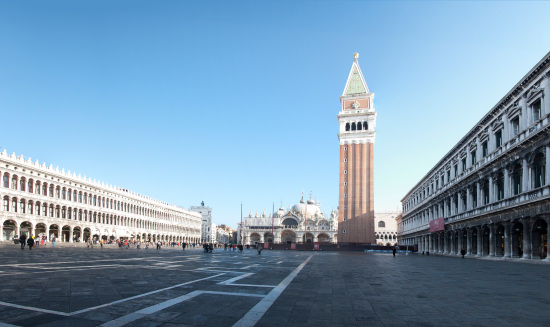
x,y
357,121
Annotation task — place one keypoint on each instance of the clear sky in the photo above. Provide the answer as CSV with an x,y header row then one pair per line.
x,y
230,101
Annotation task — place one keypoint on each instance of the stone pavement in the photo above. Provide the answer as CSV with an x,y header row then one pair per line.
x,y
75,286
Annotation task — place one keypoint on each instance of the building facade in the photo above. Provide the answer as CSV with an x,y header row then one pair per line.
x,y
290,226
490,194
385,227
41,200
206,222
357,121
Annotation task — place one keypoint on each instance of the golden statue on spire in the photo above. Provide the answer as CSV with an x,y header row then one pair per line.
x,y
356,55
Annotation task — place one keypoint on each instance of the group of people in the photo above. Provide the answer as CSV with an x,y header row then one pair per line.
x,y
30,241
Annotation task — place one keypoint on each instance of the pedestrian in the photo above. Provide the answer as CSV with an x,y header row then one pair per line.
x,y
183,245
43,238
23,240
30,243
53,241
462,252
260,248
394,251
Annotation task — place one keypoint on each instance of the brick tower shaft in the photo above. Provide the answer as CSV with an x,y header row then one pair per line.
x,y
357,120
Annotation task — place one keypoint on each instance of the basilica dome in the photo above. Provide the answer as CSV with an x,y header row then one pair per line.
x,y
312,208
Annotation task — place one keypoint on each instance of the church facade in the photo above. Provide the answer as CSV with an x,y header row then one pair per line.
x,y
302,223
357,122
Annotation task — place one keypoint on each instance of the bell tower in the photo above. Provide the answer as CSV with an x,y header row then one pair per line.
x,y
357,120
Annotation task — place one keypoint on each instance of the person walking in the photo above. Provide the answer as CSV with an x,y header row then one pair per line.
x,y
53,240
23,240
462,252
394,251
30,242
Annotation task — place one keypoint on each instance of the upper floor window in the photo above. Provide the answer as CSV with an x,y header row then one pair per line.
x,y
381,223
456,170
463,164
498,139
6,181
536,108
514,123
473,156
484,149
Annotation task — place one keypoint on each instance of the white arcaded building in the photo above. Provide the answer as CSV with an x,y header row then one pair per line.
x,y
288,226
489,194
42,200
385,227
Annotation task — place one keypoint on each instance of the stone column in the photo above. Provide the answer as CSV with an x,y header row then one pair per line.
x,y
547,168
492,240
459,240
468,241
468,199
506,184
507,240
526,238
479,241
525,176
446,242
491,189
478,194
430,243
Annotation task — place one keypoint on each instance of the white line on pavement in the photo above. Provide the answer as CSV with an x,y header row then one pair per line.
x,y
234,279
142,295
124,320
257,312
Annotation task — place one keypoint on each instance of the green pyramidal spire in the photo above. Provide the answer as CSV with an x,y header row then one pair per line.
x,y
356,83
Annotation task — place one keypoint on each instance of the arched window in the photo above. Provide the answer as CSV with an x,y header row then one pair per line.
x,y
365,125
347,127
6,180
381,223
359,126
353,127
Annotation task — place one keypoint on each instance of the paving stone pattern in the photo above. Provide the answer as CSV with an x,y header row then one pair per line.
x,y
76,286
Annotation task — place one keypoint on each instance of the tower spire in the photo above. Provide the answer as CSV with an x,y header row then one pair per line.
x,y
355,84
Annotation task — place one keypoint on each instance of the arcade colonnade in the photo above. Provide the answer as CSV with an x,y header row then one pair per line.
x,y
41,200
525,238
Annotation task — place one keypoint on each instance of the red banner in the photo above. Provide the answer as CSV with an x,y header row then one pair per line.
x,y
437,225
293,246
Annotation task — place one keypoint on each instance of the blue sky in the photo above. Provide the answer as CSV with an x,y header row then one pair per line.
x,y
230,101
